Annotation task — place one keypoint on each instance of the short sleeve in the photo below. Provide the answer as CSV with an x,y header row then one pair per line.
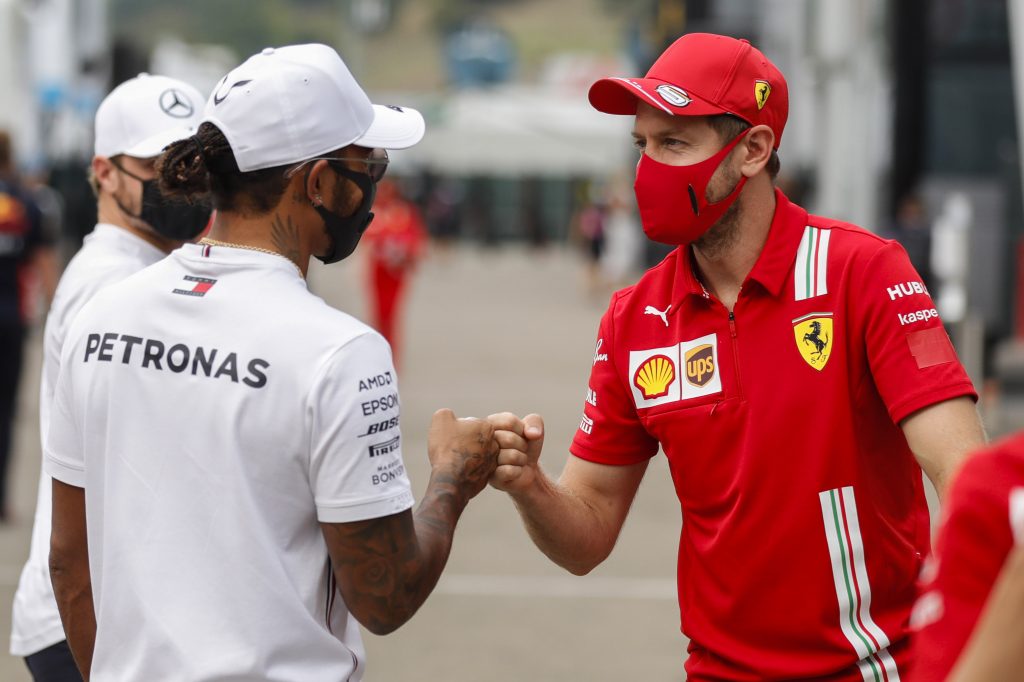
x,y
911,357
610,431
356,469
63,458
972,545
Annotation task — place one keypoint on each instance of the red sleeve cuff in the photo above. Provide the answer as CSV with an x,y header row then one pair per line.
x,y
622,457
930,396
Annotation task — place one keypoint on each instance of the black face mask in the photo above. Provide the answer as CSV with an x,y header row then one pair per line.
x,y
345,232
175,219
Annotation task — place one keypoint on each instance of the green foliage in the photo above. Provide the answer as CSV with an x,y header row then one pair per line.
x,y
246,26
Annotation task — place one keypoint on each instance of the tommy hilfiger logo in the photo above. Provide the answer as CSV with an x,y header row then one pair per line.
x,y
201,286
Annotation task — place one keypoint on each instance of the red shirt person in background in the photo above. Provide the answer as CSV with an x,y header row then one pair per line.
x,y
983,521
394,244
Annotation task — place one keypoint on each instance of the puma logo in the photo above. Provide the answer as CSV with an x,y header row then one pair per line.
x,y
663,314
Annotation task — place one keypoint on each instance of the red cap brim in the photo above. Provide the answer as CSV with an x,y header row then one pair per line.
x,y
620,95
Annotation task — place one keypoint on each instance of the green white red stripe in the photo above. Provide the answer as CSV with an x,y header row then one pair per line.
x,y
853,590
810,276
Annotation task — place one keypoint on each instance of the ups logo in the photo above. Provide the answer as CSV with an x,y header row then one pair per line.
x,y
700,365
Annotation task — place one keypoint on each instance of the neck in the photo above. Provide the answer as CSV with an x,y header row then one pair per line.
x,y
724,267
109,213
275,232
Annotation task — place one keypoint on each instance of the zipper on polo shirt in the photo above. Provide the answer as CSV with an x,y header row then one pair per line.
x,y
735,352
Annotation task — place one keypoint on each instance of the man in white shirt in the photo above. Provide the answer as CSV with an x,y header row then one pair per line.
x,y
136,228
225,447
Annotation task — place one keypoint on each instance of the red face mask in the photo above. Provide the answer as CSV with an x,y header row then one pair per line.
x,y
673,204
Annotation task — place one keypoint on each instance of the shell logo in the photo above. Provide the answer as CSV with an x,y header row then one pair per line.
x,y
654,376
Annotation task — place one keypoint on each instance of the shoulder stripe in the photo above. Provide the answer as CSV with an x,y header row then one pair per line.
x,y
810,273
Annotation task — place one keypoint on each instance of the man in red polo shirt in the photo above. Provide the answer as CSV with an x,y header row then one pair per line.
x,y
794,371
984,520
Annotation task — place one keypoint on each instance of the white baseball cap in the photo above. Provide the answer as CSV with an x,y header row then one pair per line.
x,y
290,104
145,114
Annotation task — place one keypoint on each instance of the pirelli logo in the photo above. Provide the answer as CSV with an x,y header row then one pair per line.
x,y
681,372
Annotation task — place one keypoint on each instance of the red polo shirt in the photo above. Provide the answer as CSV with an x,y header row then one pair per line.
x,y
805,521
984,516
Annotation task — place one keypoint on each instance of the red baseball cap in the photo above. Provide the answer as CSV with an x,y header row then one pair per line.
x,y
703,74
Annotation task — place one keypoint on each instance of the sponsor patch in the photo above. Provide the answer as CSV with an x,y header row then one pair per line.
x,y
388,472
380,427
200,285
654,376
663,314
657,374
931,347
591,396
906,289
388,402
598,355
762,89
700,365
376,381
918,316
387,447
814,334
587,425
673,95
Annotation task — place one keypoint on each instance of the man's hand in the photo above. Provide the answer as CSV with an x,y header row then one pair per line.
x,y
464,449
521,441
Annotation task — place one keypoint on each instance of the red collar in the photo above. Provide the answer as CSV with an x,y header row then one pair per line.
x,y
772,266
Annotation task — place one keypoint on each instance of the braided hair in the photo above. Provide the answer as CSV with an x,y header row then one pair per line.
x,y
205,165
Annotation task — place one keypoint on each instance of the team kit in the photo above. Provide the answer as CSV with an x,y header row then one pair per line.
x,y
224,492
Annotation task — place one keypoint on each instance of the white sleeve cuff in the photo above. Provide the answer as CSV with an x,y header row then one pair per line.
x,y
361,510
64,471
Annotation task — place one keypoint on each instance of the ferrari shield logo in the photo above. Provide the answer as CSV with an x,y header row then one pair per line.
x,y
761,91
813,335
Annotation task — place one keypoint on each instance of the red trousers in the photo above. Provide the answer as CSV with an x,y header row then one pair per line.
x,y
387,287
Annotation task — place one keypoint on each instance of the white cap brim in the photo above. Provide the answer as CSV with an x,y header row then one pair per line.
x,y
393,128
155,144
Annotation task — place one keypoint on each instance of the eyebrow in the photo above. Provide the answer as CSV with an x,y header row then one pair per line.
x,y
661,132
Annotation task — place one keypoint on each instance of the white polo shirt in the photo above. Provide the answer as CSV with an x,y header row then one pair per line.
x,y
108,255
215,411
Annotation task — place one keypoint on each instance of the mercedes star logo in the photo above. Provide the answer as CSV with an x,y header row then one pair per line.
x,y
175,103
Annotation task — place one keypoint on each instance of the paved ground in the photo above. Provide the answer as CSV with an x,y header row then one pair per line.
x,y
486,331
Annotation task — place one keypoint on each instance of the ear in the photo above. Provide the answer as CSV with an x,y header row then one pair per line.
x,y
758,143
315,182
107,177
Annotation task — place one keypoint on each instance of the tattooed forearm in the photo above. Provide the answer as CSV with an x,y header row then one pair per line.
x,y
387,567
285,237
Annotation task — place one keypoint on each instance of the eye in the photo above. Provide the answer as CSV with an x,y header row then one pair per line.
x,y
672,143
639,143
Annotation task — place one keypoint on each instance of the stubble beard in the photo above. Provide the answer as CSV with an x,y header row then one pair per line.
x,y
724,233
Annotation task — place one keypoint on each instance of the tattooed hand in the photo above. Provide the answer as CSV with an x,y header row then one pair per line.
x,y
464,449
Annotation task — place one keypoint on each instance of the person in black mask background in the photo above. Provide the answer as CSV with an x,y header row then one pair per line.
x,y
136,227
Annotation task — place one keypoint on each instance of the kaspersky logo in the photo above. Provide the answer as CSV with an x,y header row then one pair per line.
x,y
655,376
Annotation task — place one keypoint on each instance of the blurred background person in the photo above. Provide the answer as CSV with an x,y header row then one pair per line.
x,y
589,226
913,230
394,244
28,263
983,521
624,239
137,227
